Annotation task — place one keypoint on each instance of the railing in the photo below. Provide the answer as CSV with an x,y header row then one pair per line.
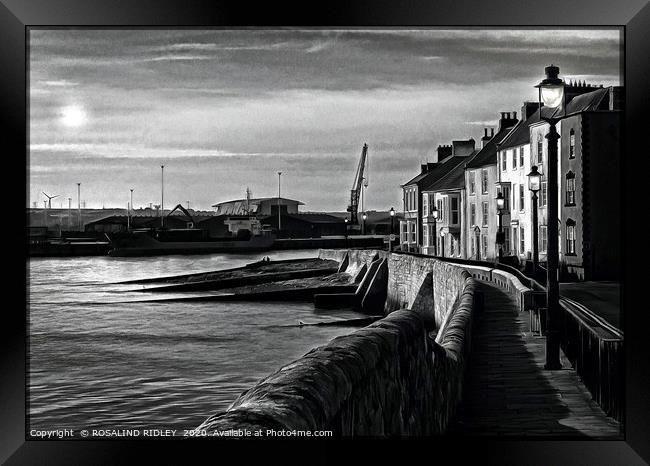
x,y
593,346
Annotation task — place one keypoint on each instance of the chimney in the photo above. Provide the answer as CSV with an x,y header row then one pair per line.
x,y
491,132
507,120
528,109
423,168
485,139
462,148
443,152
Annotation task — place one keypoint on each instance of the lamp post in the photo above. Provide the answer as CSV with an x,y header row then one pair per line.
x,y
130,205
279,217
390,236
69,213
346,232
79,203
434,214
501,202
477,233
534,183
363,224
162,196
551,95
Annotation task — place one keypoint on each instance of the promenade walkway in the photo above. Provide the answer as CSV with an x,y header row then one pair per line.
x,y
507,391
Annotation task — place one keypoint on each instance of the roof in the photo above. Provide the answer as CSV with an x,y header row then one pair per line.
x,y
586,102
439,170
488,154
589,101
258,200
454,179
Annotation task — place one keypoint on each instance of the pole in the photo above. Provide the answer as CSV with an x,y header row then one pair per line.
x,y
279,216
79,203
552,283
162,196
69,213
535,239
131,205
435,238
500,243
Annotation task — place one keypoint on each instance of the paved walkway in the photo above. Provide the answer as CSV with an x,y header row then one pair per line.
x,y
507,390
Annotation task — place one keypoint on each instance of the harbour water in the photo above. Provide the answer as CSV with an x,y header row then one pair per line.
x,y
100,360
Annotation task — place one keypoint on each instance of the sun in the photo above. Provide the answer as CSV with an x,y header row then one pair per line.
x,y
73,115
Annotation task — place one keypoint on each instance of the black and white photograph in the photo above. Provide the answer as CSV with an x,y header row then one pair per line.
x,y
350,232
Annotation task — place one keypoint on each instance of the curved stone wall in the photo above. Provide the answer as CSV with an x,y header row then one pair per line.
x,y
390,378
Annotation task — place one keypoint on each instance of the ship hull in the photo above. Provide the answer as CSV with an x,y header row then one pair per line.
x,y
145,245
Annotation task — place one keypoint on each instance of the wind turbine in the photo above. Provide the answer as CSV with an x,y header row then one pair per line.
x,y
49,200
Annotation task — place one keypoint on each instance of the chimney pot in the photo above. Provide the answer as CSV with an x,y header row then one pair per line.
x,y
486,132
514,115
492,129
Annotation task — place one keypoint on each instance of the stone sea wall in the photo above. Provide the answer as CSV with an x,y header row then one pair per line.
x,y
391,378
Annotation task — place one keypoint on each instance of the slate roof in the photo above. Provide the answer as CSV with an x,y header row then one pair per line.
x,y
520,135
454,179
441,169
488,154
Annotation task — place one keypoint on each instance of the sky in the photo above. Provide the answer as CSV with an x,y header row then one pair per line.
x,y
224,110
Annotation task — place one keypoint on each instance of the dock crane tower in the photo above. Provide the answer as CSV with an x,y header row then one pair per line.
x,y
360,181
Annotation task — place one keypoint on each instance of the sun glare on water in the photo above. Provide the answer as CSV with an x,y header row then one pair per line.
x,y
73,116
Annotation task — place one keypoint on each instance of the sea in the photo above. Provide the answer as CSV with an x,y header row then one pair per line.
x,y
101,359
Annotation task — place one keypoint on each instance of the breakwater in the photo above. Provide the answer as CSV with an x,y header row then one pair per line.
x,y
401,375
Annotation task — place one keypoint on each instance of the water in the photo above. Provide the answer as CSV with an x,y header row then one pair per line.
x,y
96,362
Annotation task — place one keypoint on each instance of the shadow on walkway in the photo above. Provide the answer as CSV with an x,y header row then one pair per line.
x,y
507,391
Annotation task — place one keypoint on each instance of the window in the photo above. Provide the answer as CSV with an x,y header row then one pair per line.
x,y
521,157
572,144
514,204
484,247
503,161
505,190
542,195
485,214
440,210
522,243
570,237
540,148
472,214
506,244
425,233
570,188
472,247
454,211
413,232
472,183
404,231
521,197
425,204
514,158
543,238
514,240
484,181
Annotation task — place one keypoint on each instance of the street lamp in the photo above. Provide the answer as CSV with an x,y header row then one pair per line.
x,y
501,202
79,203
162,196
534,183
363,226
551,95
392,222
346,232
434,214
279,217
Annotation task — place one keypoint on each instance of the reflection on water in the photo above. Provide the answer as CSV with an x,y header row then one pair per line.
x,y
151,365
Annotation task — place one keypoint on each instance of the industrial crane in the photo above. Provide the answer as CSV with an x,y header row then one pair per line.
x,y
360,181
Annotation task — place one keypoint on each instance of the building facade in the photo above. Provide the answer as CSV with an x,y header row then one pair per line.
x,y
481,222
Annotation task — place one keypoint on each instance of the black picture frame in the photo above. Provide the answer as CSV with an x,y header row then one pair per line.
x,y
634,15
